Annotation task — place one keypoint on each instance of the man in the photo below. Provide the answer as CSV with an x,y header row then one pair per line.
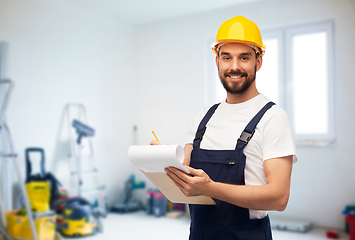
x,y
240,152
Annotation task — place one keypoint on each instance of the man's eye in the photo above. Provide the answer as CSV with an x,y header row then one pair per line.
x,y
245,58
226,58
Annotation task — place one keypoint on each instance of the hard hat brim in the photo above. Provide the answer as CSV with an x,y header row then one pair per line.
x,y
216,43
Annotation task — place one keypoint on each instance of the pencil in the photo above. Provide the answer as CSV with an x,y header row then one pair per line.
x,y
155,136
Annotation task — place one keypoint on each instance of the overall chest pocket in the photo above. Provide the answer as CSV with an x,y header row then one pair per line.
x,y
225,167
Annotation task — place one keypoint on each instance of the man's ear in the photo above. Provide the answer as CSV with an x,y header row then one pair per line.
x,y
259,62
217,62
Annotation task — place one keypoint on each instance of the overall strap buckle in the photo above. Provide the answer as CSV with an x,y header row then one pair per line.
x,y
245,136
202,126
199,134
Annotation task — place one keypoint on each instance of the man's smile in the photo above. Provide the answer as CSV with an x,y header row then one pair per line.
x,y
235,76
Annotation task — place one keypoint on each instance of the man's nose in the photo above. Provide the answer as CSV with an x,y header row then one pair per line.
x,y
234,64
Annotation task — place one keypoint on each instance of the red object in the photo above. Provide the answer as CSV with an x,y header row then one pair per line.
x,y
332,234
60,207
179,206
150,193
350,219
59,221
159,195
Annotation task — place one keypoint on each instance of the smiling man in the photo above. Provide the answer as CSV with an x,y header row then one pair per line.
x,y
240,151
237,65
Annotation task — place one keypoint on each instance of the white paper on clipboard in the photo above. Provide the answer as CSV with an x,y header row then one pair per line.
x,y
153,159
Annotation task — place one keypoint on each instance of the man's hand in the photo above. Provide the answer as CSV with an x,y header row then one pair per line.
x,y
154,142
190,185
271,196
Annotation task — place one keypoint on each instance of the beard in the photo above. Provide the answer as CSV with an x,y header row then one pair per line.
x,y
237,87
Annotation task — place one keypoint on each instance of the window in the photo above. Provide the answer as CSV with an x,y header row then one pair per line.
x,y
297,74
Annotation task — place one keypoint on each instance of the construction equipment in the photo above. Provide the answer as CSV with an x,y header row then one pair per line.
x,y
130,203
18,225
79,218
42,188
11,155
82,156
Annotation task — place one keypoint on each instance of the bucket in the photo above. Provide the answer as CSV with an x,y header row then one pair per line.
x,y
18,225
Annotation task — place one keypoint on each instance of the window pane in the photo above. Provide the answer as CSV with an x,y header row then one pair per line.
x,y
267,80
310,83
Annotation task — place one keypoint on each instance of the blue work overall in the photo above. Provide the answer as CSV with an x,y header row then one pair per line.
x,y
224,220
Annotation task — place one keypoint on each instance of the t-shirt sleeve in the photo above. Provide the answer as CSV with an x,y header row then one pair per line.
x,y
278,138
191,133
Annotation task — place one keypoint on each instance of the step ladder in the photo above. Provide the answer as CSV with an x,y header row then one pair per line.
x,y
9,154
82,161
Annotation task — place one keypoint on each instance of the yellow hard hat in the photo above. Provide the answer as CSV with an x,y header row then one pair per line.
x,y
239,30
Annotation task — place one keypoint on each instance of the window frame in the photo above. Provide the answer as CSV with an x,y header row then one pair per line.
x,y
289,32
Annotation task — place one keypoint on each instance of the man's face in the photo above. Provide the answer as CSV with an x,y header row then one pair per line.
x,y
237,65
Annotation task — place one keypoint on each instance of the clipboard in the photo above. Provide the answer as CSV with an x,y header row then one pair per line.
x,y
151,161
172,192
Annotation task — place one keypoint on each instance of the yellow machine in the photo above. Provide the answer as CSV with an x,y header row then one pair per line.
x,y
41,187
37,186
38,195
78,218
78,227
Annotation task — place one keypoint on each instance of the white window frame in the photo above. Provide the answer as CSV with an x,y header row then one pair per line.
x,y
284,36
324,26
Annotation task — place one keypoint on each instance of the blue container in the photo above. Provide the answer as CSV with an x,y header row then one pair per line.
x,y
159,204
150,202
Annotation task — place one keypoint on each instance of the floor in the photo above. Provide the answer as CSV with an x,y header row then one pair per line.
x,y
139,225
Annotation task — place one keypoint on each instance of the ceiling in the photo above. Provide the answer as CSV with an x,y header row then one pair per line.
x,y
137,12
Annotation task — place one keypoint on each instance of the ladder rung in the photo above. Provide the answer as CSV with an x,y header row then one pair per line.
x,y
93,190
8,155
43,214
83,157
85,172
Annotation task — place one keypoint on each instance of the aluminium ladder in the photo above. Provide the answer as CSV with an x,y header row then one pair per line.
x,y
82,153
11,155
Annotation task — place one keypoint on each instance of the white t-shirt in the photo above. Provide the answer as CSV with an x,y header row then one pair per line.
x,y
273,136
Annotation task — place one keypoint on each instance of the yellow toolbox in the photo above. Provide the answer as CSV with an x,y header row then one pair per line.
x,y
18,226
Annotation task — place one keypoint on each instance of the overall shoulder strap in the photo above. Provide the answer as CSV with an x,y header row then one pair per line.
x,y
202,126
249,130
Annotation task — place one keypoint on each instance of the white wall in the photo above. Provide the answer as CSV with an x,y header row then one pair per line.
x,y
60,54
154,76
172,84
